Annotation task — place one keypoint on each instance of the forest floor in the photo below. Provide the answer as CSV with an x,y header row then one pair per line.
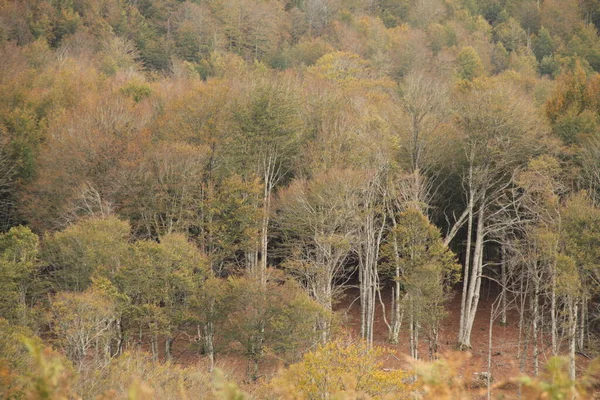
x,y
505,338
505,342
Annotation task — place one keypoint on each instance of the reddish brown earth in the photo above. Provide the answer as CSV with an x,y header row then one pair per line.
x,y
504,344
505,363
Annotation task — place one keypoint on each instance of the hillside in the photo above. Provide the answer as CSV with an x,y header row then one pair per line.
x,y
318,197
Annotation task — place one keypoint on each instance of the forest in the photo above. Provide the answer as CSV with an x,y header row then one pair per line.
x,y
299,199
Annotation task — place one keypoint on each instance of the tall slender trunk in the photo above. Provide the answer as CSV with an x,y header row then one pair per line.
x,y
489,357
209,348
154,347
396,323
472,295
414,338
582,324
504,281
553,323
524,336
372,234
463,304
522,352
168,348
534,327
433,343
264,231
120,337
572,309
324,296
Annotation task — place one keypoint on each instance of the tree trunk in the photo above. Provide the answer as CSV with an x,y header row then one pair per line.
x,y
209,349
264,231
582,324
504,281
368,254
534,327
572,309
554,326
168,348
154,346
489,357
433,343
472,295
465,289
414,338
396,322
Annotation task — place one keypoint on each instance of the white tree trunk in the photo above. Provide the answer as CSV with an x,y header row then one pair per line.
x,y
396,323
553,323
474,284
504,281
465,289
371,235
572,309
535,324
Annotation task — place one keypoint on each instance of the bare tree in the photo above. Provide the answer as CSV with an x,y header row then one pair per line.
x,y
371,226
8,175
317,218
500,132
423,102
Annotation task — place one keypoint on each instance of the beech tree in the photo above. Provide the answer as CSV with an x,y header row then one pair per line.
x,y
423,101
83,322
493,121
276,320
317,220
166,193
19,266
580,236
268,133
371,224
209,306
90,247
351,369
543,185
253,29
159,281
423,270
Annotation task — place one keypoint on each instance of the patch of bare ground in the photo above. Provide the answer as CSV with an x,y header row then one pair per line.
x,y
504,353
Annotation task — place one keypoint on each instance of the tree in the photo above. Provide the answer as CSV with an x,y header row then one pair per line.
x,y
580,236
252,28
80,176
8,175
316,219
196,33
469,64
166,194
371,223
423,270
423,101
338,368
560,18
495,122
276,320
159,279
209,307
19,266
543,187
92,246
543,44
211,202
500,58
82,322
268,133
510,34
